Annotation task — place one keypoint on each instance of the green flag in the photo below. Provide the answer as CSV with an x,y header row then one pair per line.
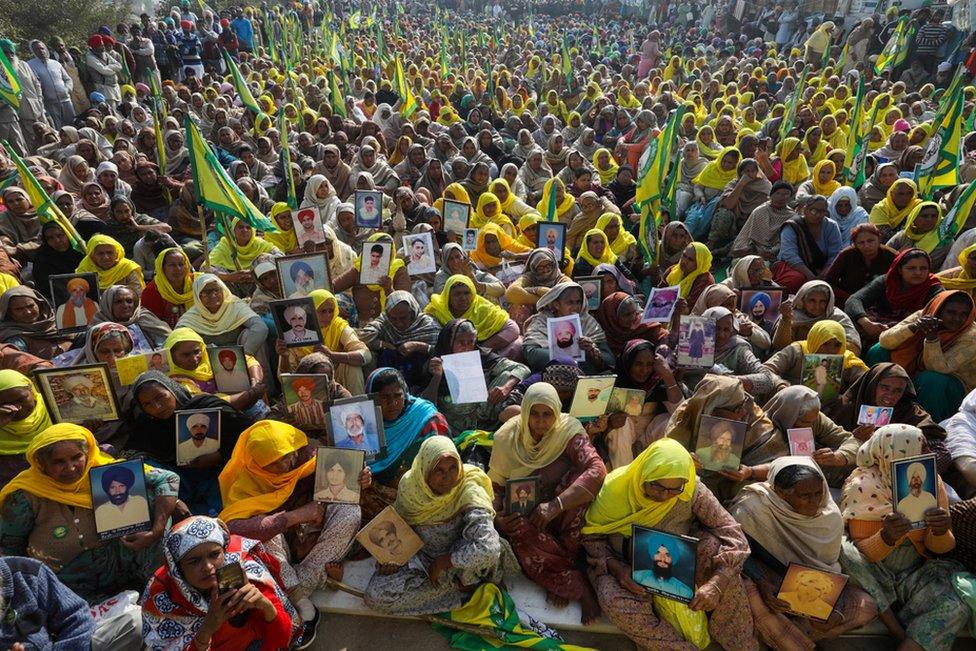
x,y
247,98
47,210
286,160
789,118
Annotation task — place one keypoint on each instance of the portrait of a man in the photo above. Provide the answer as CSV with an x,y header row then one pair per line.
x,y
123,509
200,440
307,410
298,331
79,309
919,499
661,575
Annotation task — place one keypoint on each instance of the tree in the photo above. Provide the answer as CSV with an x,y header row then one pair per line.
x,y
72,20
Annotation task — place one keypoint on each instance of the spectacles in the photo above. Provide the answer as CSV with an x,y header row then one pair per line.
x,y
664,489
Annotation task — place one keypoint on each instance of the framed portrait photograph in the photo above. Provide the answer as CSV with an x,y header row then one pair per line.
x,y
522,495
552,236
626,401
357,424
663,563
389,539
719,444
761,304
376,260
564,335
229,366
456,216
420,253
296,321
75,300
299,275
660,304
308,226
810,592
823,374
119,499
470,241
592,395
872,415
592,290
197,434
305,398
337,475
368,209
801,441
696,342
132,366
78,394
914,487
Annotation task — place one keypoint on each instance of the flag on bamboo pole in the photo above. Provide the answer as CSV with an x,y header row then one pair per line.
x,y
286,161
445,67
567,68
897,41
789,118
47,210
408,101
842,61
953,220
653,166
10,90
940,165
336,97
247,98
214,188
862,151
354,19
551,204
854,137
156,93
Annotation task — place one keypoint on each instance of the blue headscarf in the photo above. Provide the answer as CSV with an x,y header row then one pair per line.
x,y
401,434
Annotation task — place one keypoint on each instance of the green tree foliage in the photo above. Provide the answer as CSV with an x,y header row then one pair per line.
x,y
72,20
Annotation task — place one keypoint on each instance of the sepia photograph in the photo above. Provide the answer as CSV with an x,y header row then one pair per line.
x,y
811,592
337,475
389,539
78,394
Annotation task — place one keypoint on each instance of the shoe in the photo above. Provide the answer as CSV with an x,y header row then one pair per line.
x,y
309,629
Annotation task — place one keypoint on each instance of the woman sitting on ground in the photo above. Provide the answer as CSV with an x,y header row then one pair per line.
x,y
170,293
27,321
813,302
543,442
54,494
449,505
183,607
371,299
106,258
223,319
859,263
24,417
119,304
541,274
692,274
824,338
460,300
402,337
660,490
563,300
791,518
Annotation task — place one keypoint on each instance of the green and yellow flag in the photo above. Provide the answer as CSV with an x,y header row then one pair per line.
x,y
567,67
793,105
654,165
47,210
897,42
214,188
408,102
940,166
336,98
9,83
240,85
953,220
286,161
854,141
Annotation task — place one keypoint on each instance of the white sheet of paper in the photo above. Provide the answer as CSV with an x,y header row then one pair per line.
x,y
465,377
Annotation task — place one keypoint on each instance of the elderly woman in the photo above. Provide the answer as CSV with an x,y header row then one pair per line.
x,y
619,315
20,230
739,198
154,399
119,304
892,561
106,258
962,276
692,274
824,338
660,490
54,494
858,264
921,230
935,346
222,319
183,607
189,364
449,505
735,353
809,243
543,442
563,300
791,518
455,260
460,300
170,293
890,213
813,302
267,487
25,417
27,322
403,336
541,274
407,421
501,376
232,257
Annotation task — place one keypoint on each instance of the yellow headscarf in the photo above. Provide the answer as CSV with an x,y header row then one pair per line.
x,y
7,282
825,331
703,264
711,152
506,241
713,176
515,454
925,241
121,270
622,502
509,195
223,254
34,481
624,239
885,213
169,294
610,173
480,219
17,435
824,189
795,171
963,281
487,317
203,372
543,206
285,240
608,257
333,333
245,486
396,264
418,504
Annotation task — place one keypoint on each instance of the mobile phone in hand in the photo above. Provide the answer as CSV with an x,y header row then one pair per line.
x,y
230,577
